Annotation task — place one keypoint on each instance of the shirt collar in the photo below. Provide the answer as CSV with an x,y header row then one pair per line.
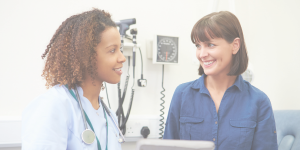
x,y
239,82
80,90
199,84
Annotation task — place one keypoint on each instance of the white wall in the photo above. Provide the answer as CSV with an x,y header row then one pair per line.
x,y
27,27
271,30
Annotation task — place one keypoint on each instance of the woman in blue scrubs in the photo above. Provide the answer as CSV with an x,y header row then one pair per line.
x,y
220,106
82,54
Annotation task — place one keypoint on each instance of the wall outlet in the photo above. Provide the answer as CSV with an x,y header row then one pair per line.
x,y
135,124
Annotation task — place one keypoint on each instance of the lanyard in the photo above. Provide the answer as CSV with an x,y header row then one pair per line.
x,y
90,124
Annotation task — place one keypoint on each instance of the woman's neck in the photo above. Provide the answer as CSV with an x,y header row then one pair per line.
x,y
91,91
219,83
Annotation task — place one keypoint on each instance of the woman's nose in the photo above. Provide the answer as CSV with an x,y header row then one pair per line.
x,y
121,58
203,53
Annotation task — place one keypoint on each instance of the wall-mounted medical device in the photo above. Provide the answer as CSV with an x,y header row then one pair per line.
x,y
123,27
129,47
122,117
165,50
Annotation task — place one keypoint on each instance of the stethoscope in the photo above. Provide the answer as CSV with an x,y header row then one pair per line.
x,y
88,136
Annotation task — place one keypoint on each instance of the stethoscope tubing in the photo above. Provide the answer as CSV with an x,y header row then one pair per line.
x,y
84,120
81,109
108,112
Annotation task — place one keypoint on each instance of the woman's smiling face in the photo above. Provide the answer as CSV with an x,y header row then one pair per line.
x,y
215,55
109,57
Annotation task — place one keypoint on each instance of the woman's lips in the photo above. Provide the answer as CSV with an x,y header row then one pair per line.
x,y
118,71
207,64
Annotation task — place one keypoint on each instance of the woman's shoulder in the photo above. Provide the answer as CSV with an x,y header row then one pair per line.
x,y
48,114
56,94
53,100
253,89
256,93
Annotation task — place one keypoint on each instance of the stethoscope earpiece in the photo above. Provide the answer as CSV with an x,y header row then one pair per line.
x,y
121,140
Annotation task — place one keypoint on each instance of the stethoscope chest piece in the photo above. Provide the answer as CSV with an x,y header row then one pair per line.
x,y
88,136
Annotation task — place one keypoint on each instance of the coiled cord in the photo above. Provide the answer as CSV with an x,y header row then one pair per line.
x,y
162,105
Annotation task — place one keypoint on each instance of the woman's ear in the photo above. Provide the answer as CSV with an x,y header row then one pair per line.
x,y
236,45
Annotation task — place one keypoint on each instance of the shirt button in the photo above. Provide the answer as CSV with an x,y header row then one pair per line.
x,y
274,131
214,139
216,122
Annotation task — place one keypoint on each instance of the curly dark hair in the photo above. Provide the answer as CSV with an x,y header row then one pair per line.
x,y
72,49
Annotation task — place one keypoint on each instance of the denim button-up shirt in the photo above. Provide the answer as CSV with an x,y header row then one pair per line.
x,y
245,119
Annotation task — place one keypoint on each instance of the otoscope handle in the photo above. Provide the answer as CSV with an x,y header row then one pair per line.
x,y
133,59
134,33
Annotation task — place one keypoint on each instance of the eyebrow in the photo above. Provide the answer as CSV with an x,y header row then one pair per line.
x,y
111,45
204,42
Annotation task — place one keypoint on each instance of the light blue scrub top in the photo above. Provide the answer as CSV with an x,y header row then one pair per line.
x,y
53,121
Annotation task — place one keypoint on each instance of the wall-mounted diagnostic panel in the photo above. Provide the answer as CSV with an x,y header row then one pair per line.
x,y
165,50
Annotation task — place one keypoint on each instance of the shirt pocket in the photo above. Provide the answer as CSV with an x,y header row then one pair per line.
x,y
242,133
190,128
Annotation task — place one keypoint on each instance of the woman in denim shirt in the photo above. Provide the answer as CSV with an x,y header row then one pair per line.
x,y
220,106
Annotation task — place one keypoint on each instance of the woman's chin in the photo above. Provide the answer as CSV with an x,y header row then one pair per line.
x,y
209,73
113,81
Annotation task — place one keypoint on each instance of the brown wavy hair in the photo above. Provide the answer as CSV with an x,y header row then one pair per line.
x,y
72,49
224,25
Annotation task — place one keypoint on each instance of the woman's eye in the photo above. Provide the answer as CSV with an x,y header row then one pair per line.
x,y
113,50
198,46
211,45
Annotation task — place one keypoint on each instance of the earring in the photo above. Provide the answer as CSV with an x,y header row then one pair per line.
x,y
102,87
